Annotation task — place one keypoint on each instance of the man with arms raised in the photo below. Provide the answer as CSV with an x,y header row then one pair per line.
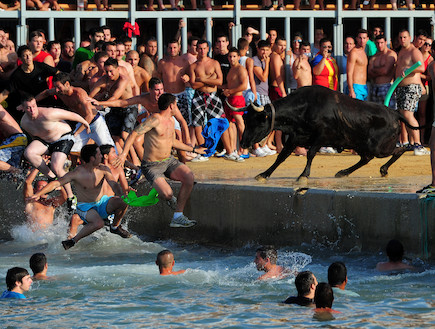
x,y
409,90
381,71
357,67
301,66
158,161
93,205
51,136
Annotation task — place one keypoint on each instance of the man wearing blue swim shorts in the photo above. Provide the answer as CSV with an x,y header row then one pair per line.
x,y
93,206
357,62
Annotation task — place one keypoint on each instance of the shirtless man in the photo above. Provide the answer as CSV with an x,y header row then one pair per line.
x,y
51,136
165,261
357,67
93,206
149,103
381,70
409,90
142,77
158,161
76,100
99,59
113,86
40,213
237,83
39,265
12,143
149,59
277,80
172,71
205,75
395,262
265,260
8,59
301,66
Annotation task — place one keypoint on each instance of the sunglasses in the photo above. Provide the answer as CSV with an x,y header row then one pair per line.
x,y
297,40
427,44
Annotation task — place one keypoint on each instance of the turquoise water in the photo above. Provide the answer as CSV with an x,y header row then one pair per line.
x,y
109,282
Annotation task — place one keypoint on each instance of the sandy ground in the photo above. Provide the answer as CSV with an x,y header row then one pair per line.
x,y
407,175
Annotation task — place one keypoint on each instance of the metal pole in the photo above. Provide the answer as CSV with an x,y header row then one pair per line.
x,y
387,30
159,32
77,32
131,14
184,38
311,29
209,33
51,29
263,28
288,38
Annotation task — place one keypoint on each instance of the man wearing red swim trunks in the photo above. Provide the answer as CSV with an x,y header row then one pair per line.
x,y
237,82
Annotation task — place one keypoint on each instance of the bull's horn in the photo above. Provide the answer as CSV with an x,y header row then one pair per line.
x,y
257,108
236,109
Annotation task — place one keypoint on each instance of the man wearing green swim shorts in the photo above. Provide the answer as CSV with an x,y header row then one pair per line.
x,y
93,206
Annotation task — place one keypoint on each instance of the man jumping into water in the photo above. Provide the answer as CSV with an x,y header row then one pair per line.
x,y
265,260
92,205
158,162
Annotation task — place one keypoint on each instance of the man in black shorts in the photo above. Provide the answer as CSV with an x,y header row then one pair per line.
x,y
51,135
158,162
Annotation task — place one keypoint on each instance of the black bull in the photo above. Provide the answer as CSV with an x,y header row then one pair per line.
x,y
316,116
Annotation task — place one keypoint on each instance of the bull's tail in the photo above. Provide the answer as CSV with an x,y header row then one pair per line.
x,y
403,119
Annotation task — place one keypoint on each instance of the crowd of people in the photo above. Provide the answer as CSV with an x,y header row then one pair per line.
x,y
115,107
207,5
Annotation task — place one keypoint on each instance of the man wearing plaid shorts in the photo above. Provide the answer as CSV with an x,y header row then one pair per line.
x,y
205,75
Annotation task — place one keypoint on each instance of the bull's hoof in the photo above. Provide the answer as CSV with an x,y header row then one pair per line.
x,y
384,172
302,180
341,174
261,178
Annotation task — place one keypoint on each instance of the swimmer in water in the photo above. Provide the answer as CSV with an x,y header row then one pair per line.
x,y
38,264
306,284
337,278
323,298
265,260
165,261
395,262
18,281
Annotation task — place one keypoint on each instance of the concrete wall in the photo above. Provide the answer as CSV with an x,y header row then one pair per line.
x,y
234,216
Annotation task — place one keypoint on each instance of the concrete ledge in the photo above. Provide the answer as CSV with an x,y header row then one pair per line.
x,y
234,216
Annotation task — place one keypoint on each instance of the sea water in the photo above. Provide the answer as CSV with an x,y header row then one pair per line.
x,y
109,282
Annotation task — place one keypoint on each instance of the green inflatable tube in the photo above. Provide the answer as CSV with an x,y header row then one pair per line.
x,y
399,80
142,201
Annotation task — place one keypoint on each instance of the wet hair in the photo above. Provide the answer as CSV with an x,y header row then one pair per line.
x,y
165,100
242,43
35,34
322,41
303,282
234,50
153,82
22,49
161,259
263,43
13,275
99,55
305,43
37,262
87,152
380,36
337,273
105,149
111,61
26,97
268,252
62,77
191,39
324,296
395,250
51,44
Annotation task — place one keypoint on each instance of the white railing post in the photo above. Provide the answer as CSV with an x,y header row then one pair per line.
x,y
237,29
387,31
411,26
209,33
131,14
184,37
22,27
77,32
288,38
263,28
51,29
159,36
311,29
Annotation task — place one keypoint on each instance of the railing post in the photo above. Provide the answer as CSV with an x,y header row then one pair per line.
x,y
263,28
237,29
51,28
22,27
132,16
311,29
411,26
184,38
159,32
387,30
209,33
288,37
77,32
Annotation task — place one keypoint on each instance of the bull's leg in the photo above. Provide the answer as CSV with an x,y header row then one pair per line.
x,y
312,151
362,162
396,155
286,151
